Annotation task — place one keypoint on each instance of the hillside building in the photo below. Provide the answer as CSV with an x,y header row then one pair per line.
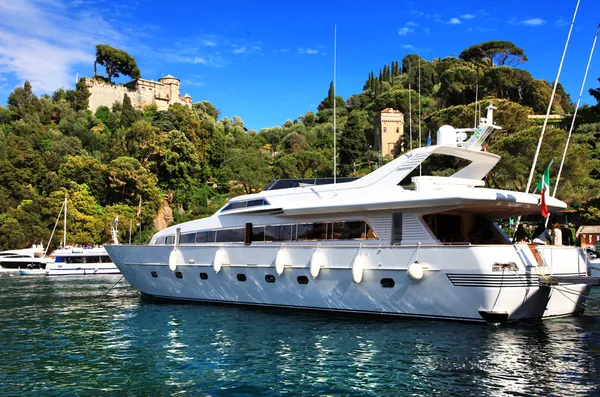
x,y
142,92
389,129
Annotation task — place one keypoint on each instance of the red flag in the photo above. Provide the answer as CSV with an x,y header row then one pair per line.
x,y
139,210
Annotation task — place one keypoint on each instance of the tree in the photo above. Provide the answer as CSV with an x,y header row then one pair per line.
x,y
327,103
457,86
79,98
248,168
352,144
117,62
495,52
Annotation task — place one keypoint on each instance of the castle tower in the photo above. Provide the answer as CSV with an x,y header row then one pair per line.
x,y
173,85
389,129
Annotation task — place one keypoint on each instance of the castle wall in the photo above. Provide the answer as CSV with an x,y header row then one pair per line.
x,y
146,92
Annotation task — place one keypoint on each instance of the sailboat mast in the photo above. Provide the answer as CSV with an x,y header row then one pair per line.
x,y
334,111
575,113
65,225
539,146
420,138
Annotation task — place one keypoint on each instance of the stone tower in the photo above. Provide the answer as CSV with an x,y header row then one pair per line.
x,y
173,85
389,129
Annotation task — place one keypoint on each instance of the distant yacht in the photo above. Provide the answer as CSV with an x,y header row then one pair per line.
x,y
77,261
29,259
375,245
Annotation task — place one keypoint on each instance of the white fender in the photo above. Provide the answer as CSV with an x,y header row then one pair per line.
x,y
317,261
358,267
175,258
221,257
415,271
282,258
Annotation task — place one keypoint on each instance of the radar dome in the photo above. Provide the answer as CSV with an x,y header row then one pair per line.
x,y
446,135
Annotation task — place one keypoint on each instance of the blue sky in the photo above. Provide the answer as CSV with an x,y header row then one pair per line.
x,y
269,61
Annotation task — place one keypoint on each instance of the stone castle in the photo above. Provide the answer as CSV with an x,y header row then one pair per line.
x,y
389,129
142,92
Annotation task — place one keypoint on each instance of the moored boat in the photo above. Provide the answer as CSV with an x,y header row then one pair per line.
x,y
376,245
29,259
77,261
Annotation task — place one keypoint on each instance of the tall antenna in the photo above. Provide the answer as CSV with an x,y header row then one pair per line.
x,y
539,146
334,115
476,97
575,113
420,140
409,106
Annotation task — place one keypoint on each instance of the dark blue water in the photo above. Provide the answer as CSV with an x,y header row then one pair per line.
x,y
64,337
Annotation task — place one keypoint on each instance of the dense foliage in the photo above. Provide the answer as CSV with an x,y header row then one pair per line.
x,y
188,162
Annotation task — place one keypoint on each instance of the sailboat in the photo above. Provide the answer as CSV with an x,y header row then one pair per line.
x,y
80,261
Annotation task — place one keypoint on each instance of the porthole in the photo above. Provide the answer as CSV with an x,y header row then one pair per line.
x,y
269,278
154,274
387,283
241,277
302,280
178,274
203,276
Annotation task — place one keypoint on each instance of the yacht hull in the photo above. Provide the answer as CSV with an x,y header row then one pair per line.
x,y
80,269
458,282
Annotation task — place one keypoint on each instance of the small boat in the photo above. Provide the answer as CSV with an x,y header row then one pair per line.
x,y
28,259
78,261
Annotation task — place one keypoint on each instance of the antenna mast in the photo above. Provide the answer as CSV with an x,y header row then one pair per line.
x,y
409,106
420,140
65,225
334,115
539,146
575,113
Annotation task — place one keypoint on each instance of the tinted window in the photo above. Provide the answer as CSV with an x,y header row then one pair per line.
x,y
269,278
387,282
75,259
187,238
169,240
312,231
105,259
92,259
230,235
160,240
302,280
241,277
59,259
203,276
258,233
254,203
279,233
349,230
201,237
178,274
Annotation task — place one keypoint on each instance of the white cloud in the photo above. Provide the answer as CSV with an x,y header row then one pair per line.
x,y
209,43
47,41
454,21
411,23
240,50
467,16
307,51
405,30
407,46
533,22
426,30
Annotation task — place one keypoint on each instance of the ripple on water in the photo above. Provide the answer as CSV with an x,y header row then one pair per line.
x,y
65,337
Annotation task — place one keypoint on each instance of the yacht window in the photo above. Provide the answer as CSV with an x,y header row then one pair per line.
x,y
351,231
59,259
447,228
254,203
279,233
397,228
178,274
160,240
187,238
92,259
203,276
169,240
75,259
105,259
201,237
230,235
258,233
302,280
312,231
269,278
243,204
241,277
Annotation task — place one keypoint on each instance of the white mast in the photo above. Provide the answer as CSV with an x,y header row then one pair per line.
x,y
476,97
334,115
539,146
420,139
409,106
575,113
65,225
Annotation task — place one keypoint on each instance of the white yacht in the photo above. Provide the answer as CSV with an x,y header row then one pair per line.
x,y
29,260
77,261
372,246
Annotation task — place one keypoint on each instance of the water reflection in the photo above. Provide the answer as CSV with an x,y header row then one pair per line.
x,y
67,337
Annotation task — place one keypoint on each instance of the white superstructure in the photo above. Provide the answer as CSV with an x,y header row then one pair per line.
x,y
77,261
29,259
391,242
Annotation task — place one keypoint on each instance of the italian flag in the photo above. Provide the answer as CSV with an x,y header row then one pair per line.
x,y
544,187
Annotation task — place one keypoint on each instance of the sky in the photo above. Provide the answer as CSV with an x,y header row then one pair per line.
x,y
272,61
